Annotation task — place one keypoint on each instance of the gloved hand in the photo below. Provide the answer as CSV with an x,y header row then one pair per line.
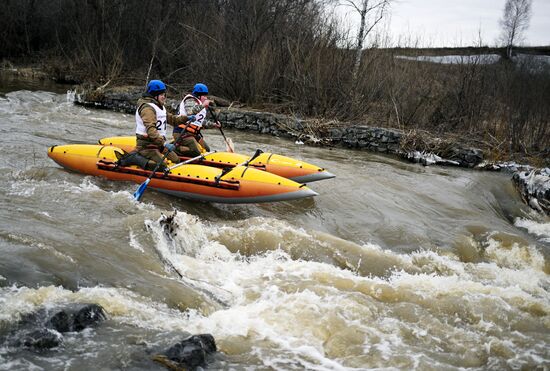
x,y
191,118
170,146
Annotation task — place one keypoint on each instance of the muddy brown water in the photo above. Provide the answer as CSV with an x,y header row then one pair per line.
x,y
393,266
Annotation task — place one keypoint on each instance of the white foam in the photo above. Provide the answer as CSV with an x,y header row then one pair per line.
x,y
87,185
134,242
19,364
520,266
22,189
70,96
267,231
516,257
432,262
121,304
540,229
298,312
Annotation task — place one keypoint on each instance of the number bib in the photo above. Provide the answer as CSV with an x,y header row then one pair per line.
x,y
161,121
200,117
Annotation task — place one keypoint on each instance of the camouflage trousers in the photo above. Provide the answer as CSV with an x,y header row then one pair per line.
x,y
153,153
189,147
156,156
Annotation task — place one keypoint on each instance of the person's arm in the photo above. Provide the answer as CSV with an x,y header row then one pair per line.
x,y
175,120
191,107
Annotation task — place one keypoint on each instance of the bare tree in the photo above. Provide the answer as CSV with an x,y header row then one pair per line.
x,y
514,22
370,13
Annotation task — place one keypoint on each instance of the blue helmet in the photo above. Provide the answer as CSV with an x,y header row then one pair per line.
x,y
200,89
156,87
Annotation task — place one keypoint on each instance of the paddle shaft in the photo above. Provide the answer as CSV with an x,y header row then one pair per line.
x,y
202,155
221,131
176,143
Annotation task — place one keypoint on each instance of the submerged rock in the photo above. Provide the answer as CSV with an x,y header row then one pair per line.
x,y
90,315
61,322
190,353
534,188
77,320
42,339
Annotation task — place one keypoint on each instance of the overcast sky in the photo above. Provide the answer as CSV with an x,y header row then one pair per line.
x,y
457,22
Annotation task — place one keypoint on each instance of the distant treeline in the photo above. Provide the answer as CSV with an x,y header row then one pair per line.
x,y
284,55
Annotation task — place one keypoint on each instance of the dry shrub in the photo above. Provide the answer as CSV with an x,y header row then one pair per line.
x,y
423,141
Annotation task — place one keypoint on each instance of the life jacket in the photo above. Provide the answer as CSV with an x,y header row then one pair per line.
x,y
190,128
161,120
194,127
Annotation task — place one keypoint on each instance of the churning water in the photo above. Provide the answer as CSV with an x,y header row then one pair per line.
x,y
392,266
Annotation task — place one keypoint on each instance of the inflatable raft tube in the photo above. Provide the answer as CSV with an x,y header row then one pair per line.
x,y
197,182
287,167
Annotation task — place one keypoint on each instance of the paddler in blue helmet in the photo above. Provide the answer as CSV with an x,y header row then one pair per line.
x,y
195,104
151,122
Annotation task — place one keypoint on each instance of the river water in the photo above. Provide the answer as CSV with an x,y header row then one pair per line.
x,y
393,266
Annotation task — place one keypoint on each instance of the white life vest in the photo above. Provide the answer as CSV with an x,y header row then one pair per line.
x,y
199,117
161,121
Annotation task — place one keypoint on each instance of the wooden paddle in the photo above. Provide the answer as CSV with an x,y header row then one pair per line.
x,y
228,142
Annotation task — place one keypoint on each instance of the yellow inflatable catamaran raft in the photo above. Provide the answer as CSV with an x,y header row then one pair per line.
x,y
287,167
241,184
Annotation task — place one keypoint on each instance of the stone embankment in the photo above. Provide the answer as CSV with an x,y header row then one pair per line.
x,y
414,146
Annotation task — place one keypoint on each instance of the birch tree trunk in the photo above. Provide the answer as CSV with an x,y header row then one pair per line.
x,y
360,40
370,13
514,22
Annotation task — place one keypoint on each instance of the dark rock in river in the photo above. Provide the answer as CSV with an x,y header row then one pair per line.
x,y
42,339
90,315
40,330
77,320
191,352
61,322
